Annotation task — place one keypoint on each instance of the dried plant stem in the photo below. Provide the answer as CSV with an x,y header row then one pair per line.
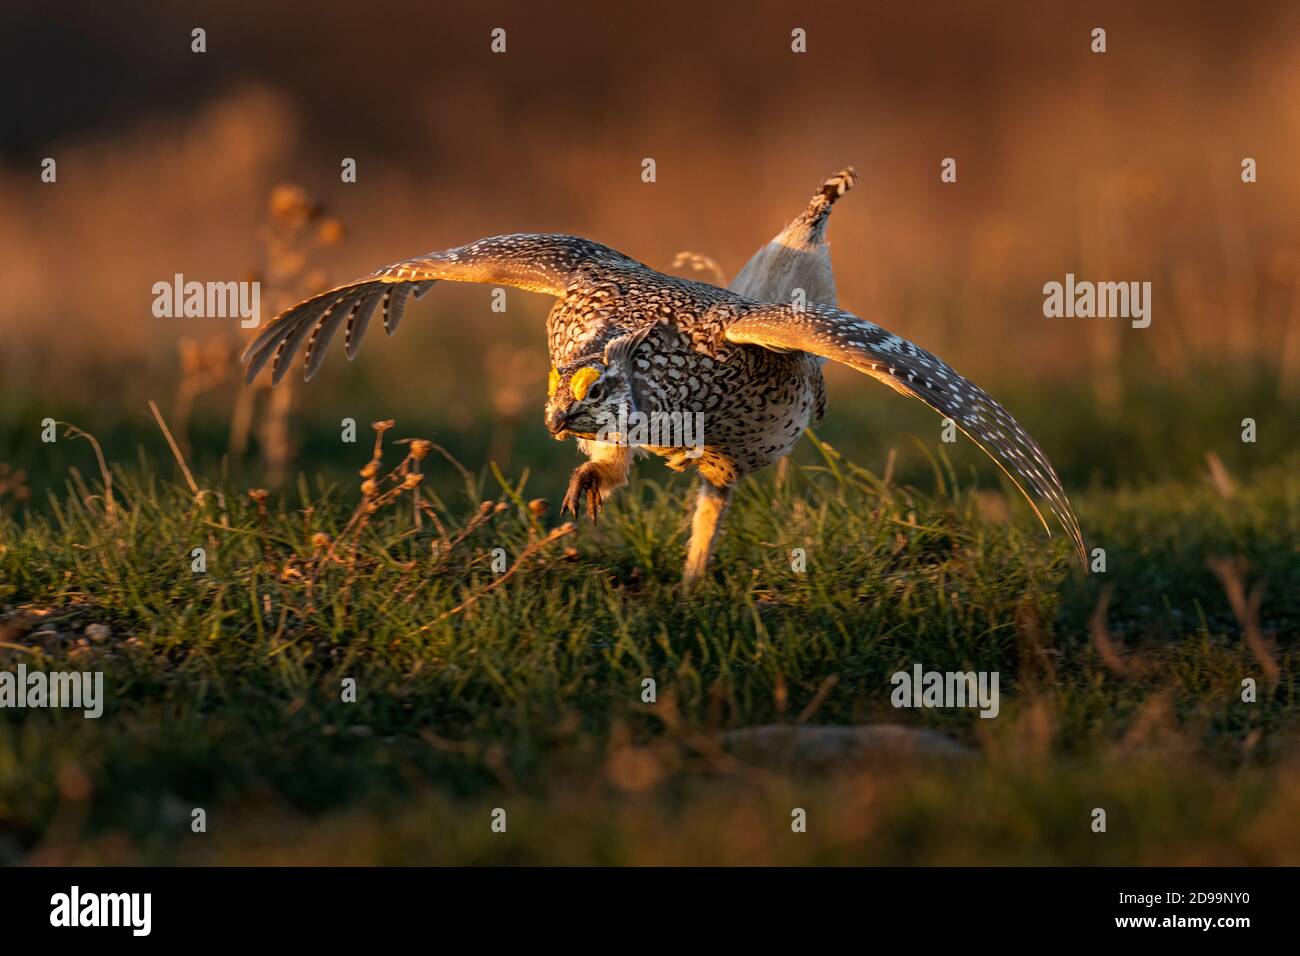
x,y
241,420
273,435
699,262
180,459
818,699
415,499
109,507
532,548
1106,648
1231,573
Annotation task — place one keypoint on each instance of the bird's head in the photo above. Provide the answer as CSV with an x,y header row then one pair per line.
x,y
584,399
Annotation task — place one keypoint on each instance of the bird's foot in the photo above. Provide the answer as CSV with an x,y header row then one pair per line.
x,y
585,481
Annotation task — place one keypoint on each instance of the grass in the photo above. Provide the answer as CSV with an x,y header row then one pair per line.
x,y
476,693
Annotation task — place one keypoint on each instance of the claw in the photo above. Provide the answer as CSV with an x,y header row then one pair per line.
x,y
584,482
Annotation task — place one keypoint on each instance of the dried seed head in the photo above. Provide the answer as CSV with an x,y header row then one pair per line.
x,y
371,469
289,205
369,487
412,479
320,541
420,448
285,263
259,494
501,506
383,426
329,232
538,507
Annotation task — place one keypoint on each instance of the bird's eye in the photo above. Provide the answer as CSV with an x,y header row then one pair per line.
x,y
583,380
595,393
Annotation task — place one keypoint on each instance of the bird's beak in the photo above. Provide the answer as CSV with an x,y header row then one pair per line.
x,y
556,420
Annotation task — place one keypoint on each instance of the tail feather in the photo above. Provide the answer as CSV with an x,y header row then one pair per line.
x,y
813,220
798,257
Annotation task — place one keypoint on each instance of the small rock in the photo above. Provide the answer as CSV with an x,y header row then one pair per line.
x,y
803,747
98,632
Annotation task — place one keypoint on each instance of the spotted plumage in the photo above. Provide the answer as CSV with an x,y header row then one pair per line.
x,y
745,360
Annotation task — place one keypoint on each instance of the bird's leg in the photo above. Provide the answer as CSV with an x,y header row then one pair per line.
x,y
710,505
597,479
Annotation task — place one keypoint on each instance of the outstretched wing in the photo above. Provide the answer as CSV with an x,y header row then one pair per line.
x,y
911,370
534,262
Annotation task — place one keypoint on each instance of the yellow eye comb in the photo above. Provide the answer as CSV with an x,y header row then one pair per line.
x,y
553,383
582,381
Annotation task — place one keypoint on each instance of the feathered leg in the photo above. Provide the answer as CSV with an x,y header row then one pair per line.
x,y
710,505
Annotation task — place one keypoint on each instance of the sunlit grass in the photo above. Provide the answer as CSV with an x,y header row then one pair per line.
x,y
473,693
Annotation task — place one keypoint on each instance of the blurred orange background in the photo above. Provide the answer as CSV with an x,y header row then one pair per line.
x,y
1124,166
